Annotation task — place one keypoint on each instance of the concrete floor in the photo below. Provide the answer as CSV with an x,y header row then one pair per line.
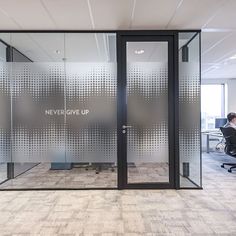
x,y
210,211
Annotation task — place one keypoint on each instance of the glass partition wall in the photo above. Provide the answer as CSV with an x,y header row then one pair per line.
x,y
5,115
189,111
62,101
60,98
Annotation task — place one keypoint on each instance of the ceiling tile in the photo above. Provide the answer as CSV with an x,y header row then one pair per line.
x,y
223,72
210,39
112,14
6,22
194,13
153,14
72,14
225,17
221,51
27,13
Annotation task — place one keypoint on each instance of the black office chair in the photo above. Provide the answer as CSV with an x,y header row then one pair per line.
x,y
229,134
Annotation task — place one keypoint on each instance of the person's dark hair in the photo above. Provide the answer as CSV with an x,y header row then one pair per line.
x,y
231,116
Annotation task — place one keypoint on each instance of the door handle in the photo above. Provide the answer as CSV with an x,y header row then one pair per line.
x,y
126,126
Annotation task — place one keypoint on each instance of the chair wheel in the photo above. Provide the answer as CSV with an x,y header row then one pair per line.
x,y
222,166
229,170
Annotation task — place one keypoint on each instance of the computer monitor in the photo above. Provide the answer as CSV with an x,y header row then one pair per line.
x,y
219,122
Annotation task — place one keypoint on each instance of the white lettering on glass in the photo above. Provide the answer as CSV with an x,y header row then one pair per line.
x,y
58,112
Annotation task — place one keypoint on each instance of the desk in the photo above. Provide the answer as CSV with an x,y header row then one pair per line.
x,y
217,134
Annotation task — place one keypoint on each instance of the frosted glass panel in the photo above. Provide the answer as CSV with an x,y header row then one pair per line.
x,y
38,106
5,118
189,111
147,112
91,135
58,111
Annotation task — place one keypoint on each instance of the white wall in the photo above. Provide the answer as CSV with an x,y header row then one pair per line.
x,y
231,95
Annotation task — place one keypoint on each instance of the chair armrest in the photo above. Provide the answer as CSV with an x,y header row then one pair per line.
x,y
233,153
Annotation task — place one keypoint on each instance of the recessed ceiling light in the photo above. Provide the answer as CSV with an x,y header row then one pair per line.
x,y
233,57
139,51
57,51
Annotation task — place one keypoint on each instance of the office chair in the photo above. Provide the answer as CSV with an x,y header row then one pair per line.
x,y
229,134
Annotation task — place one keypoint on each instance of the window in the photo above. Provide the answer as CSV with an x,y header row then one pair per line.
x,y
212,104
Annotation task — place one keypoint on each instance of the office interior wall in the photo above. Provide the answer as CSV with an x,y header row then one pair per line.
x,y
63,107
64,112
5,114
189,113
54,75
91,135
16,57
231,95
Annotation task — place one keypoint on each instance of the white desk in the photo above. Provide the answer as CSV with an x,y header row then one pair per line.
x,y
210,134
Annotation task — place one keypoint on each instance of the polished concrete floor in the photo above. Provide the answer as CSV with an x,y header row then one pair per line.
x,y
211,211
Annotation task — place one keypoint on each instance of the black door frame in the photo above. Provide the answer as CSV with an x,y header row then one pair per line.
x,y
122,111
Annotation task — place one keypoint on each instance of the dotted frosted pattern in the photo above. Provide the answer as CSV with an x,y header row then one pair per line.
x,y
147,87
42,136
37,87
189,118
93,137
5,116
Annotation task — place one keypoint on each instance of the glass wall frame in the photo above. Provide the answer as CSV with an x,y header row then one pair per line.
x,y
63,110
190,156
175,144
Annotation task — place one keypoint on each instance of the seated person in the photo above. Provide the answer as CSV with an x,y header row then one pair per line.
x,y
231,117
230,136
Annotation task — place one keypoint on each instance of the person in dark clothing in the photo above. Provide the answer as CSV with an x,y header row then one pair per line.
x,y
231,117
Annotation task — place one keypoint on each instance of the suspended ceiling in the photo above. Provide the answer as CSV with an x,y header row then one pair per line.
x,y
216,18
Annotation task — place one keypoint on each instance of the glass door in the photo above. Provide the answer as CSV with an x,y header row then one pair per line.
x,y
147,127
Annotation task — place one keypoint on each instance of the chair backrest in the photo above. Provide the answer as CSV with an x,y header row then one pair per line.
x,y
229,134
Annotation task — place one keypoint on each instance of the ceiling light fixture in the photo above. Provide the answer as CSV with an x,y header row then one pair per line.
x,y
233,57
139,51
57,51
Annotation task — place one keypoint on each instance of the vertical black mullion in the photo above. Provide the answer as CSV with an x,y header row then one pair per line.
x,y
171,115
9,56
10,165
121,111
176,109
10,170
124,112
